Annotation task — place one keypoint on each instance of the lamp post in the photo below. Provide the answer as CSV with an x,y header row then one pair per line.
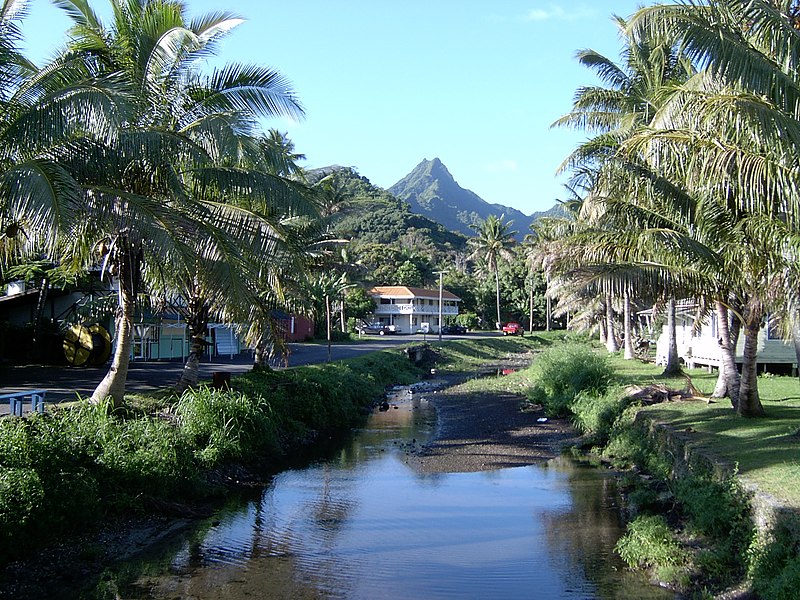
x,y
440,273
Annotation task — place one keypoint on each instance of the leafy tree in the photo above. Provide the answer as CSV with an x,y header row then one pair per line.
x,y
408,274
358,303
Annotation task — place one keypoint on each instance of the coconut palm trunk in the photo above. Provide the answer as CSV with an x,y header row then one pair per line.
x,y
128,263
611,339
38,349
197,316
796,342
549,310
328,322
261,354
673,366
530,307
627,327
728,381
749,404
113,384
497,293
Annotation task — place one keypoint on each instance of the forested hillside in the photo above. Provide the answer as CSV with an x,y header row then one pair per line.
x,y
386,241
387,244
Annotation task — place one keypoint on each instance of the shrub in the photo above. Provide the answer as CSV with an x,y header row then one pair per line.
x,y
775,563
21,498
784,584
718,509
560,373
648,544
595,413
225,425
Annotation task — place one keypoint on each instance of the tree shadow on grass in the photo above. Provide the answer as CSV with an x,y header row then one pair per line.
x,y
754,445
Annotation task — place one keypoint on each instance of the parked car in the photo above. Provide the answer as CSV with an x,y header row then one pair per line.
x,y
375,328
513,329
454,329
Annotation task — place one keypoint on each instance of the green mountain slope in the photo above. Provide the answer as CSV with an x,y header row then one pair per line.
x,y
432,191
367,214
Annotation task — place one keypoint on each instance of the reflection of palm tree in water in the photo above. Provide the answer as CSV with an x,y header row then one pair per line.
x,y
329,513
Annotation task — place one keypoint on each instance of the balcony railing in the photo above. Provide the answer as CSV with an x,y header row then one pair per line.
x,y
413,309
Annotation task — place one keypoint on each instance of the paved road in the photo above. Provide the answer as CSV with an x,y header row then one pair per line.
x,y
63,383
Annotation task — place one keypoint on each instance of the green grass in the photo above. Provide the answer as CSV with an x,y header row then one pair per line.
x,y
766,450
648,543
465,355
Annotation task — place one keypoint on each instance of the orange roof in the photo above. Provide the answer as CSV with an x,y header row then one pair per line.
x,y
402,291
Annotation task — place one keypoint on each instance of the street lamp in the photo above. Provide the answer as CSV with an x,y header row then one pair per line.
x,y
440,273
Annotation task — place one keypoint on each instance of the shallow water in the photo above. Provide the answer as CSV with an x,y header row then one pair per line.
x,y
361,524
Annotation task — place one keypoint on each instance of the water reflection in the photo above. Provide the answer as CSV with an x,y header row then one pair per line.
x,y
364,525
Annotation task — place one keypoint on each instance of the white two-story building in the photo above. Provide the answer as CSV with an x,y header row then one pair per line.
x,y
411,309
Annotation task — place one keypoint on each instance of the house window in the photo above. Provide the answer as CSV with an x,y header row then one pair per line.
x,y
386,301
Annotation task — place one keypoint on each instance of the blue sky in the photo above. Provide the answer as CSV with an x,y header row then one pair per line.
x,y
386,84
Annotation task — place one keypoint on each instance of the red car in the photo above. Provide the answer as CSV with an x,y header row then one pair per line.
x,y
513,329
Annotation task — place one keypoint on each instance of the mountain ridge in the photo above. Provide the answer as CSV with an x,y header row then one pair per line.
x,y
432,191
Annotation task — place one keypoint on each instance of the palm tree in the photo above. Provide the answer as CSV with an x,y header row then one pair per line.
x,y
44,114
279,156
158,199
633,93
739,121
320,289
493,242
543,245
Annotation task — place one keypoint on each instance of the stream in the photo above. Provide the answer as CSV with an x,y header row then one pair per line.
x,y
361,524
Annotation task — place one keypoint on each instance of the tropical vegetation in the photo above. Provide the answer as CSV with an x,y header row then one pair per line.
x,y
79,466
688,189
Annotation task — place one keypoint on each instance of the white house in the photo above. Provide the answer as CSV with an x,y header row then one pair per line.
x,y
411,309
699,346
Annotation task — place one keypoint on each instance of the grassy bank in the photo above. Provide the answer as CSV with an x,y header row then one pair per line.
x,y
70,469
713,496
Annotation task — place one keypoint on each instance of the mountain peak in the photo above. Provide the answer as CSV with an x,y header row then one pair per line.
x,y
432,191
435,168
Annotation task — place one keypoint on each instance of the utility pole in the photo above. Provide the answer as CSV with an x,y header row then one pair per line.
x,y
440,273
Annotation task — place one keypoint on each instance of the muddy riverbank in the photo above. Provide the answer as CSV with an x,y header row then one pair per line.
x,y
485,431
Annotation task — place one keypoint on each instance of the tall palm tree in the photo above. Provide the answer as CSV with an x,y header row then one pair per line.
x,y
492,243
279,156
159,198
629,100
321,289
543,245
45,113
739,121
